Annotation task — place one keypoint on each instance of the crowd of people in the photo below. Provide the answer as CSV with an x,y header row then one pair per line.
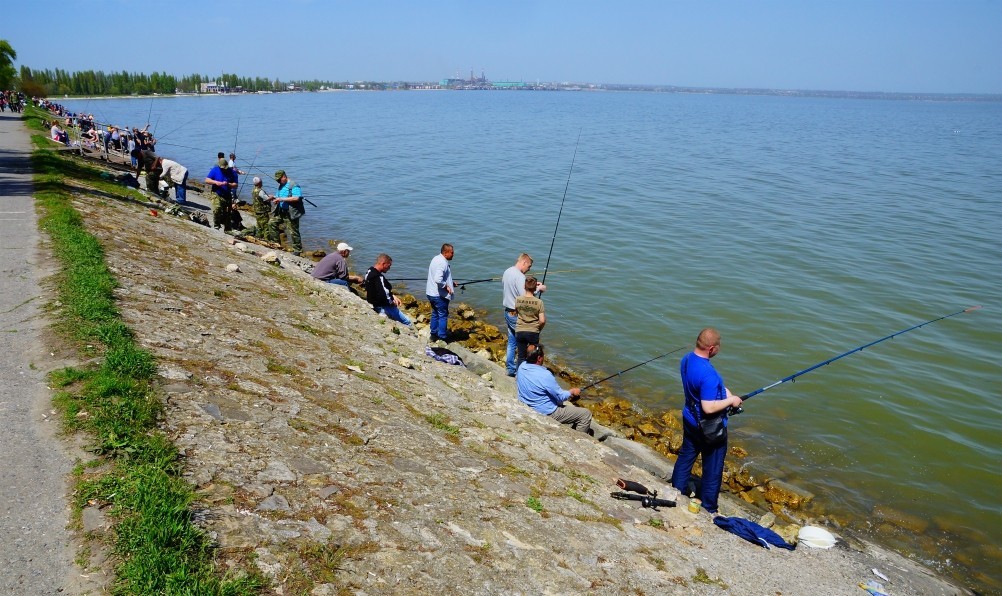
x,y
707,399
13,101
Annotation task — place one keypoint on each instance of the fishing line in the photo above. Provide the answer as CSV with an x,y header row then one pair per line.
x,y
244,179
559,213
235,136
844,354
179,128
633,367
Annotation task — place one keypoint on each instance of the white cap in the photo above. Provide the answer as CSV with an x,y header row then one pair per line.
x,y
257,180
343,246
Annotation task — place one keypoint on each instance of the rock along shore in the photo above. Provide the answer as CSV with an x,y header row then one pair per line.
x,y
331,453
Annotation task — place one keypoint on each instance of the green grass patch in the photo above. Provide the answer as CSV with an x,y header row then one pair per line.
x,y
535,504
274,366
158,549
442,423
702,577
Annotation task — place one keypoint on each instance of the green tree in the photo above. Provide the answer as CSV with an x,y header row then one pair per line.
x,y
8,75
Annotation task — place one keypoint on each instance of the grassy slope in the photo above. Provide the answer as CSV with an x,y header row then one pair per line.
x,y
158,550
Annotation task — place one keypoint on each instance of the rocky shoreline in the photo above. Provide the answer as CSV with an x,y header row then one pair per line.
x,y
331,454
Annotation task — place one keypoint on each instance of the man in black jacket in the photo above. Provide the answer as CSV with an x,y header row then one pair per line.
x,y
379,293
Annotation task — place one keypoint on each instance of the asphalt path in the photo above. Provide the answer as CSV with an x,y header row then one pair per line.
x,y
36,549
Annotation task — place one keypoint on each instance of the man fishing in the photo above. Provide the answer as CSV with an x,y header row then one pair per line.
x,y
222,185
379,292
333,268
262,211
706,399
289,208
538,389
531,319
513,286
440,288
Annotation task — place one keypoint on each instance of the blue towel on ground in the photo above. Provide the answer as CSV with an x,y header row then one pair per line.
x,y
752,532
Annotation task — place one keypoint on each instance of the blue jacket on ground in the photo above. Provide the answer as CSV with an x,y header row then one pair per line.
x,y
752,532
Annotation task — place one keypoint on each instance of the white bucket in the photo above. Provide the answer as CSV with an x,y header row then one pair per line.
x,y
816,537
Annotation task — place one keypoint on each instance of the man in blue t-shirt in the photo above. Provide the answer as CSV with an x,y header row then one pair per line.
x,y
705,396
223,184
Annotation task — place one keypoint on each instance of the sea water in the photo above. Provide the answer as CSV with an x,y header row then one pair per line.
x,y
799,227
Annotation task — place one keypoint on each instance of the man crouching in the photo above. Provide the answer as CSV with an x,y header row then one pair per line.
x,y
538,389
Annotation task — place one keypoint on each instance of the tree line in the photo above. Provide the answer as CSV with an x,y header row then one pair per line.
x,y
58,82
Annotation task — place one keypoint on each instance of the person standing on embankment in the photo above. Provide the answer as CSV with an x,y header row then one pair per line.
x,y
706,397
512,286
440,289
222,185
289,210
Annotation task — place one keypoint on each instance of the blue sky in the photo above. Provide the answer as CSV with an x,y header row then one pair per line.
x,y
937,46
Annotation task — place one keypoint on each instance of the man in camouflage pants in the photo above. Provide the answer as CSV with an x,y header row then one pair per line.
x,y
262,211
222,183
289,208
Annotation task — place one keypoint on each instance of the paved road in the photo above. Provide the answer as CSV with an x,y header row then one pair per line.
x,y
36,553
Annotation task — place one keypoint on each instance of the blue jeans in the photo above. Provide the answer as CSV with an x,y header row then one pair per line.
x,y
439,318
180,192
509,360
392,312
693,445
341,282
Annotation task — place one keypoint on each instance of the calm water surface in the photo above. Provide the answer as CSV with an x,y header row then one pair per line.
x,y
801,228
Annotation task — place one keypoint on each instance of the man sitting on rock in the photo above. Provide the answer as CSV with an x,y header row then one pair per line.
x,y
538,389
379,292
333,268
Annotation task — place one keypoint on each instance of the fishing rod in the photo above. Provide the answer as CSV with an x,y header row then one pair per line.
x,y
235,136
150,112
738,410
462,285
244,179
179,128
458,281
566,186
633,367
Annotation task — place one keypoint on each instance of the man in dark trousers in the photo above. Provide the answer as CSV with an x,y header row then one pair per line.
x,y
705,396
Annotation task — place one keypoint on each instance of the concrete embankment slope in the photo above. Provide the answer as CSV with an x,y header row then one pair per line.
x,y
331,453
36,555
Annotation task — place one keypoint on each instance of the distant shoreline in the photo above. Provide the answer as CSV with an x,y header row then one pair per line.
x,y
873,95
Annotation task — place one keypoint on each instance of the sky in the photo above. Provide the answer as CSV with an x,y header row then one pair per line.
x,y
927,46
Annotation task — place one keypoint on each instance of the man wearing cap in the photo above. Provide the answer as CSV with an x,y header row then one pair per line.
x,y
289,208
513,286
440,289
262,211
379,292
176,175
222,184
333,268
